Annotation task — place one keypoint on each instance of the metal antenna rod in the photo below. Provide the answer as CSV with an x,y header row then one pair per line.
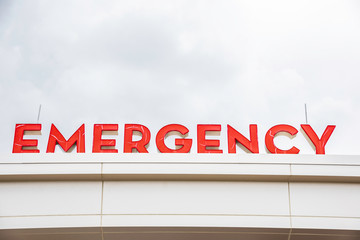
x,y
39,114
306,114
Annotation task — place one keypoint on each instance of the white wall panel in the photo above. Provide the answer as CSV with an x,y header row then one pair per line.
x,y
146,197
333,223
31,222
266,222
49,198
325,199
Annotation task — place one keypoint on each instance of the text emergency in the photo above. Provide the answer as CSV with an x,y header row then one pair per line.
x,y
183,144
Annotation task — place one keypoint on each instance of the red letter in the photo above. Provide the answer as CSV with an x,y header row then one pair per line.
x,y
184,143
203,143
233,136
270,135
140,145
56,137
98,142
318,143
19,142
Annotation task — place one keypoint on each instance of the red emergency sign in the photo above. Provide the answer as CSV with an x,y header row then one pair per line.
x,y
183,144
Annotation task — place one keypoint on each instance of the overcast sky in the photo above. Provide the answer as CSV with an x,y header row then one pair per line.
x,y
186,62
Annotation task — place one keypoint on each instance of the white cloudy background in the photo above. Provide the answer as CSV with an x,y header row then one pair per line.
x,y
187,62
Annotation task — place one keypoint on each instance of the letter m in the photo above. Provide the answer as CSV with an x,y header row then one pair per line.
x,y
56,137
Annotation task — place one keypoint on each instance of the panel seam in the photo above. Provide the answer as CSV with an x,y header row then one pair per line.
x,y
102,203
289,197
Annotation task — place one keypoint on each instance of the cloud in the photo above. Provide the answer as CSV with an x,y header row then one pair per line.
x,y
186,61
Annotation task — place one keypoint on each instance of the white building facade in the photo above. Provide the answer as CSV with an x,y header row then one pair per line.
x,y
179,196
